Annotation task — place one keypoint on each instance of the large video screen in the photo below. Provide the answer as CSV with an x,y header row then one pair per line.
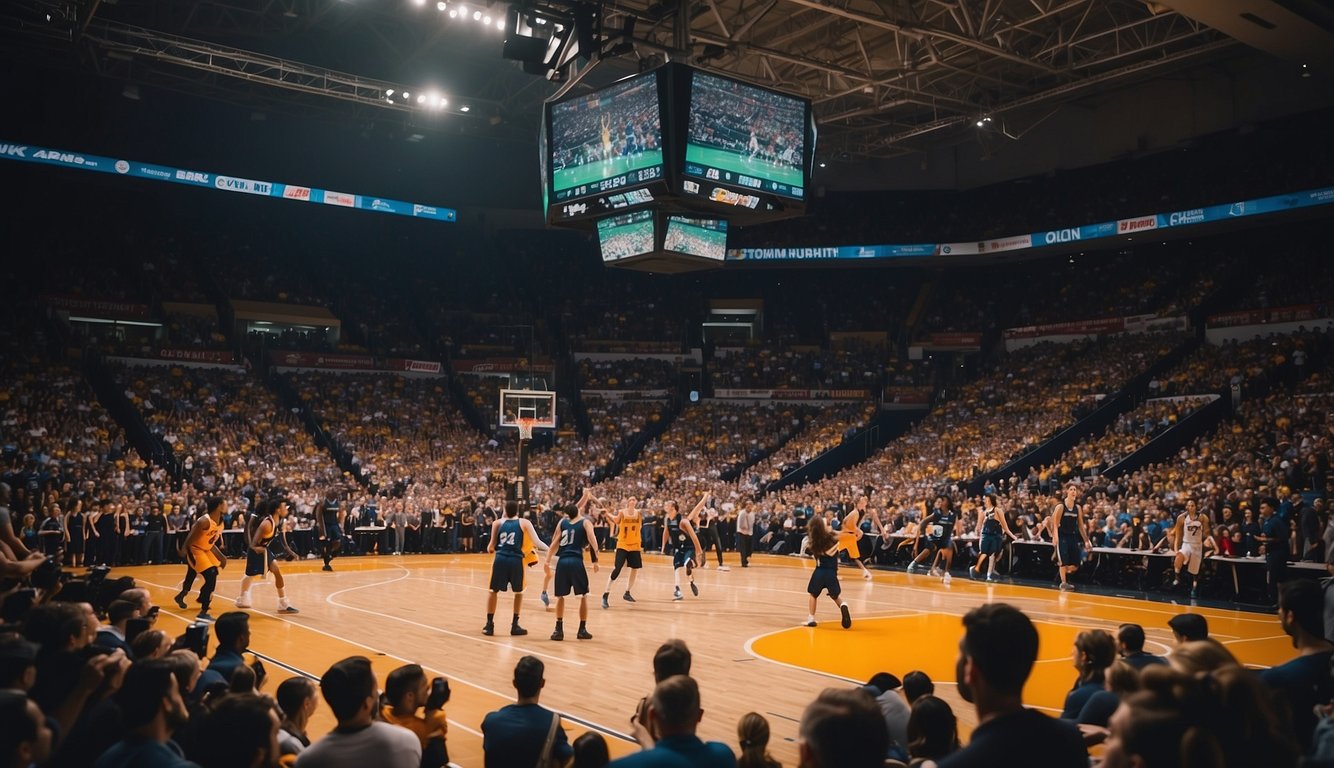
x,y
697,237
606,140
745,136
626,235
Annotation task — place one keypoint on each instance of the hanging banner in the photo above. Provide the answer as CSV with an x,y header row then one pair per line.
x,y
28,153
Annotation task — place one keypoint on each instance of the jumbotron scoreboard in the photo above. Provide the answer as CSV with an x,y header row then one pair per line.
x,y
660,163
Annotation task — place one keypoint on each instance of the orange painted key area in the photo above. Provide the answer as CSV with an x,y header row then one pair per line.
x,y
750,652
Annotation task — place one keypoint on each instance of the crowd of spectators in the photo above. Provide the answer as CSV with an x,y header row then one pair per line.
x,y
228,431
398,430
843,367
633,373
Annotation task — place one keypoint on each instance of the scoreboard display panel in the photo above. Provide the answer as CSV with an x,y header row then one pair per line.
x,y
626,235
746,138
604,146
706,238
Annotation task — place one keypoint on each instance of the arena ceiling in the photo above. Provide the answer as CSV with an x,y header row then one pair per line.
x,y
886,76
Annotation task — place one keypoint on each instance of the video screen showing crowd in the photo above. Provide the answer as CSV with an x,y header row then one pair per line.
x,y
613,132
746,130
621,237
706,238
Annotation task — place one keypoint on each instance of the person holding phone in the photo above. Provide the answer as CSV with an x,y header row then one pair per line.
x,y
405,693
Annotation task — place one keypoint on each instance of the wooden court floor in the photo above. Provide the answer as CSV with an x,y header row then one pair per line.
x,y
750,654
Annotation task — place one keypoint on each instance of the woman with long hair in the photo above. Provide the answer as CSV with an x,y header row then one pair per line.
x,y
1094,652
823,545
752,731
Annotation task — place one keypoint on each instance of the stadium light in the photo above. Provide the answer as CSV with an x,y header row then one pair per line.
x,y
419,2
486,20
500,24
465,108
453,14
389,92
421,98
440,6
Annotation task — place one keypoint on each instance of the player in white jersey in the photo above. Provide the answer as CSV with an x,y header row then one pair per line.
x,y
1188,540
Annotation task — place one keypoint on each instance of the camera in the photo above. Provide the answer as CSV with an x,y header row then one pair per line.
x,y
48,575
195,638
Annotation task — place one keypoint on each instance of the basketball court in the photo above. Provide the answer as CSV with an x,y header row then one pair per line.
x,y
740,163
749,652
598,170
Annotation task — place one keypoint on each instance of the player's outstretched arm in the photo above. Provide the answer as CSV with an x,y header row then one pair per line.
x,y
495,532
690,531
531,533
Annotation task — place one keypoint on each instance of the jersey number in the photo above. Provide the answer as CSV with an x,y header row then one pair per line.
x,y
507,539
566,537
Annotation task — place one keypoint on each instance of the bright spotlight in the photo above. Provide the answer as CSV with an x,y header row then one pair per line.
x,y
440,6
476,15
421,98
453,14
406,95
465,108
500,23
486,20
389,91
419,2
979,123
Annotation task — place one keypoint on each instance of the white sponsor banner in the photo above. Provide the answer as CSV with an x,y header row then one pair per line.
x,y
340,198
247,186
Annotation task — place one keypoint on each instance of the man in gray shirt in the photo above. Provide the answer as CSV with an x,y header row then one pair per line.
x,y
349,687
745,528
885,688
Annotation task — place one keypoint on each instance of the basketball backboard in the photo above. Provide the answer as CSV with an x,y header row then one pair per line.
x,y
527,403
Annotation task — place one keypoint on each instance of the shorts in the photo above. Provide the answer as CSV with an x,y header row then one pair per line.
x,y
848,541
257,563
571,576
1072,553
625,557
334,533
936,545
507,574
991,544
824,580
1194,555
682,555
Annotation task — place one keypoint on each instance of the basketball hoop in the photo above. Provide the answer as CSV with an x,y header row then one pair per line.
x,y
525,426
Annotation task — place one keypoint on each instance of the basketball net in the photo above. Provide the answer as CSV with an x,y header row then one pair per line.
x,y
525,427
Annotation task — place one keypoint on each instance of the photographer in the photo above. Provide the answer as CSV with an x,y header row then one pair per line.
x,y
405,692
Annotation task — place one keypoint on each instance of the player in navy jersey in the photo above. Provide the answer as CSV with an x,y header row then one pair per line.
x,y
993,527
507,541
1067,528
685,544
823,545
573,535
940,527
330,527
